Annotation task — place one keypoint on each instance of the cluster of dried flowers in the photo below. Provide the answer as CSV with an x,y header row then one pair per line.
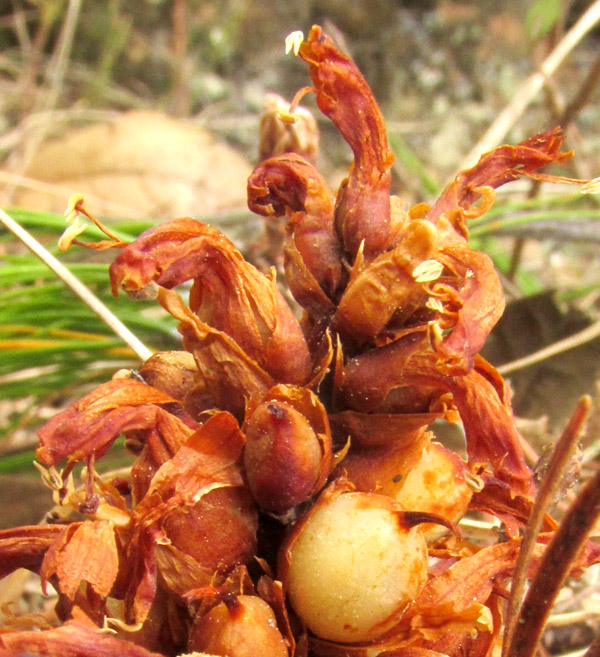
x,y
287,497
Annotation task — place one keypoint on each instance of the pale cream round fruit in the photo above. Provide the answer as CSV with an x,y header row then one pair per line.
x,y
436,485
354,567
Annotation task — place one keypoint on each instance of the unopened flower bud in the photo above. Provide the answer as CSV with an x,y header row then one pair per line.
x,y
172,372
287,457
242,627
284,132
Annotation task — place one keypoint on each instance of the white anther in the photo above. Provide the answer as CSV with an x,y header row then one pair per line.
x,y
293,42
434,304
427,271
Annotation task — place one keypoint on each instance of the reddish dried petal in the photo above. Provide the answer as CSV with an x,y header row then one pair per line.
x,y
197,517
71,640
168,254
471,580
92,424
498,498
142,582
380,429
481,304
321,648
229,294
288,184
87,552
227,377
158,448
208,460
383,376
363,203
496,168
382,469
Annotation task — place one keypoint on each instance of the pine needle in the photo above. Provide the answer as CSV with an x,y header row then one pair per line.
x,y
77,286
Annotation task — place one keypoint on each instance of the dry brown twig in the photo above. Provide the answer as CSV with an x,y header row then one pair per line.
x,y
575,340
532,85
563,452
56,75
553,570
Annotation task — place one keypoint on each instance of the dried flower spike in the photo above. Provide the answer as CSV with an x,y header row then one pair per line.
x,y
234,533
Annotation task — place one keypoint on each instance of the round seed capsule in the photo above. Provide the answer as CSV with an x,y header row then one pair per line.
x,y
245,627
353,565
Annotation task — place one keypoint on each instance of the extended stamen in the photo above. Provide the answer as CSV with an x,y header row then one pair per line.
x,y
446,293
74,208
50,476
288,116
71,233
591,187
436,337
74,205
473,481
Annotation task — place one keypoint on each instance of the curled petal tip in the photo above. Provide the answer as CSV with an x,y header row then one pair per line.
x,y
293,41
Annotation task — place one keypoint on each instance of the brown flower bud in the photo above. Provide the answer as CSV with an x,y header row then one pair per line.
x,y
244,626
284,132
172,372
218,531
288,448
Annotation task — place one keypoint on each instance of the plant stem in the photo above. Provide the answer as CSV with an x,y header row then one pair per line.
x,y
563,453
558,559
533,84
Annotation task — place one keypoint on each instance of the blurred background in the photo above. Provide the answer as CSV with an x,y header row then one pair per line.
x,y
151,110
